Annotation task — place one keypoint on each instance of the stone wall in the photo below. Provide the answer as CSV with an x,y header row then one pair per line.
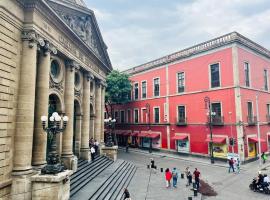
x,y
10,50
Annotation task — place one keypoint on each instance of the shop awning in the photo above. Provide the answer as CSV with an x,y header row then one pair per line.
x,y
255,139
119,133
153,135
134,134
180,137
142,134
126,134
217,140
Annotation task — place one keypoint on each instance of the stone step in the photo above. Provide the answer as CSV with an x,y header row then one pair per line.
x,y
88,173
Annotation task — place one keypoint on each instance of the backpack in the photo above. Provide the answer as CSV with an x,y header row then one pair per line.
x,y
174,175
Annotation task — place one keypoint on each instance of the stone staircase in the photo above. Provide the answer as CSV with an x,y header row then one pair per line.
x,y
107,185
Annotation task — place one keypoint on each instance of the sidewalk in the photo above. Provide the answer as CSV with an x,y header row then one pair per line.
x,y
204,161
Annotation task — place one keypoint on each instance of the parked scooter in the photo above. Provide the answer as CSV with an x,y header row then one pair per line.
x,y
259,187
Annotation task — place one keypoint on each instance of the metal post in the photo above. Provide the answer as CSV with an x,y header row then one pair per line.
x,y
258,129
211,135
230,114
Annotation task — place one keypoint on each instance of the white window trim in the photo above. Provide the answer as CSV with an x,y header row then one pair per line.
x,y
154,116
178,80
154,86
143,108
252,108
266,80
134,116
220,106
210,77
134,91
145,89
249,74
177,118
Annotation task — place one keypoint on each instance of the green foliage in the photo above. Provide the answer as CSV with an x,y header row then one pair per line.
x,y
118,88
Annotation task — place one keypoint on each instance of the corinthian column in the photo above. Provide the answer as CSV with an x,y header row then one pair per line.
x,y
86,117
67,138
41,107
23,138
98,110
102,111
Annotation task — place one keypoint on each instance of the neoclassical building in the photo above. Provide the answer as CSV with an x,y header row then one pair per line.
x,y
52,58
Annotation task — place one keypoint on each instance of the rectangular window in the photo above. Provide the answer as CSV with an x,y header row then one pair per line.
x,y
128,116
136,91
144,89
181,114
156,115
216,109
215,79
247,82
156,87
136,116
181,82
268,109
116,116
122,116
265,76
250,109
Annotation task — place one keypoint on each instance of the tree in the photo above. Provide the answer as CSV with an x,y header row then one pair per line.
x,y
117,91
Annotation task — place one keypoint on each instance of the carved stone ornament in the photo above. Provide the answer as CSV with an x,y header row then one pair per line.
x,y
72,65
57,86
33,38
77,93
48,48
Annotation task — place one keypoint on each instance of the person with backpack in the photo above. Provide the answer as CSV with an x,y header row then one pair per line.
x,y
175,177
231,165
188,176
92,151
196,174
126,194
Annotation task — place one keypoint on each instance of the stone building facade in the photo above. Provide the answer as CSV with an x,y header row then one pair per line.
x,y
52,58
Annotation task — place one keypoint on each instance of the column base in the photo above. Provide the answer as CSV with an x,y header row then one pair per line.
x,y
21,185
70,162
85,154
110,152
53,187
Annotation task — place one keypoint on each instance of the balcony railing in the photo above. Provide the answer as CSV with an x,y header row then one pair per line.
x,y
252,120
216,120
182,121
268,119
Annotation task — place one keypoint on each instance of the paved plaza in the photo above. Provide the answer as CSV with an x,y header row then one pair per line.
x,y
152,187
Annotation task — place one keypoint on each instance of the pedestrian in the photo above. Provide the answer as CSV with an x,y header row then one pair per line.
x,y
264,157
188,176
174,177
91,142
196,174
168,177
152,165
126,194
238,165
92,150
96,144
231,165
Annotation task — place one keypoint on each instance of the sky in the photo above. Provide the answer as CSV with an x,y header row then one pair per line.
x,y
138,31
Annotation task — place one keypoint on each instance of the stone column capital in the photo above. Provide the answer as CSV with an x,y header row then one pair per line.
x,y
72,65
49,48
89,76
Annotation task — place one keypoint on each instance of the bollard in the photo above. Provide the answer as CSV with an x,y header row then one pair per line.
x,y
195,192
182,176
189,198
148,166
161,169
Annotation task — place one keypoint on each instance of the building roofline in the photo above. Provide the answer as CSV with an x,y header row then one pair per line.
x,y
229,38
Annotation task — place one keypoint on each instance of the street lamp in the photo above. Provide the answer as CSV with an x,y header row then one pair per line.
x,y
147,105
111,123
258,129
211,114
53,165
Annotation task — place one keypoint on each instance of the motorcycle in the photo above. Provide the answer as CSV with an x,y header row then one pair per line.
x,y
259,188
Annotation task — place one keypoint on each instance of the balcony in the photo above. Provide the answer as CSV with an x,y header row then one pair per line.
x,y
216,120
181,121
268,119
251,120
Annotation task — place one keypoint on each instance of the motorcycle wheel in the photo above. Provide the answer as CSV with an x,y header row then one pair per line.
x,y
251,187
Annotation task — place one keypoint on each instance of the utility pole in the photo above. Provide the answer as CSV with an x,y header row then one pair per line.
x,y
258,129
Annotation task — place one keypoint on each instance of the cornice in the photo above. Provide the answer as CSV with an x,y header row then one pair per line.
x,y
233,37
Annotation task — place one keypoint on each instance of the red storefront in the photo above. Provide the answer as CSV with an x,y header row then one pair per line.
x,y
168,105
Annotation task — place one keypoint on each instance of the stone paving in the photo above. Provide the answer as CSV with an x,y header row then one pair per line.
x,y
228,186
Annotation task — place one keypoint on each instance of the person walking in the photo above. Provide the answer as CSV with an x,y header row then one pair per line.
x,y
96,146
188,176
264,157
126,194
196,174
175,177
152,166
92,151
231,165
168,177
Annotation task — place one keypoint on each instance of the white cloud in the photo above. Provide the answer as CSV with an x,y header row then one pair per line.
x,y
135,35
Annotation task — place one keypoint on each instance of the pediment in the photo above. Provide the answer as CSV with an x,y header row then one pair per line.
x,y
83,24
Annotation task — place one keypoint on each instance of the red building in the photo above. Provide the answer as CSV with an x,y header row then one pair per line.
x,y
168,105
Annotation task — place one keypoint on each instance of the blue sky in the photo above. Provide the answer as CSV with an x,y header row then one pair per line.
x,y
137,31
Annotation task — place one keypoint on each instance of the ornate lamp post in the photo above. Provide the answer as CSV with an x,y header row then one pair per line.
x,y
210,114
53,162
110,123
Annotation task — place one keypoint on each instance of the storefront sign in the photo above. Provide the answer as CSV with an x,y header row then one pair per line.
x,y
182,146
